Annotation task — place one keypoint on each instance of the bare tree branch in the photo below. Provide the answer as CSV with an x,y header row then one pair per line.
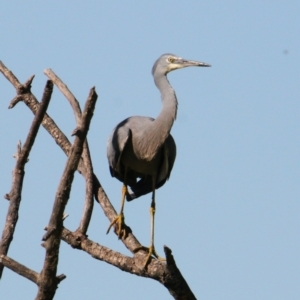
x,y
166,273
47,280
89,201
19,268
174,281
97,251
14,101
131,241
23,270
89,195
29,99
18,173
66,92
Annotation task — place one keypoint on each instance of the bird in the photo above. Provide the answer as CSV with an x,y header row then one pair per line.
x,y
141,151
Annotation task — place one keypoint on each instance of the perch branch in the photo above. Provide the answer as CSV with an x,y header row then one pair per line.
x,y
18,174
166,273
47,280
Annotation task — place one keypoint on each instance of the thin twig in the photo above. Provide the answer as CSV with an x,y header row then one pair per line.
x,y
66,92
89,195
9,75
18,174
19,268
29,99
47,281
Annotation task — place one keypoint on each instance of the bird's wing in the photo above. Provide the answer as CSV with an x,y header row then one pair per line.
x,y
169,155
115,146
144,185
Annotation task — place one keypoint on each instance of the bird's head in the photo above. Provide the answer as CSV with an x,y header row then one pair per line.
x,y
169,62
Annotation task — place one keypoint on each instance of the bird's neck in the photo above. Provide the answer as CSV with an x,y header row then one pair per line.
x,y
161,126
167,116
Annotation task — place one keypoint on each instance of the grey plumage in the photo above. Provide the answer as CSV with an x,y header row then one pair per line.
x,y
141,151
133,145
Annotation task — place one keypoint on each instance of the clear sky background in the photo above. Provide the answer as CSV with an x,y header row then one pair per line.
x,y
230,211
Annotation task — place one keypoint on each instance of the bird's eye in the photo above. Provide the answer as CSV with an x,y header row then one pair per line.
x,y
171,59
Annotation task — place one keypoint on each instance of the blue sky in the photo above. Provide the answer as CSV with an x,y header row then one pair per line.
x,y
230,211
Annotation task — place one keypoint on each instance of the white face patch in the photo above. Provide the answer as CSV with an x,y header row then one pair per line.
x,y
175,66
171,63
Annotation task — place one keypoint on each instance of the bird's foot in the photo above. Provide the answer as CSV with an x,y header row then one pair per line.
x,y
151,252
122,229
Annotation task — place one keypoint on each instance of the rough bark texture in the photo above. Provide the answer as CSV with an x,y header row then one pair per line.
x,y
19,269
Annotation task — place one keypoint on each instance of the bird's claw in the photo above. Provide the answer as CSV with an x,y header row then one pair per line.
x,y
151,252
121,227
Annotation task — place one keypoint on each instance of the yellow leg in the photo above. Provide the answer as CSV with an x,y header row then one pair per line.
x,y
119,220
152,251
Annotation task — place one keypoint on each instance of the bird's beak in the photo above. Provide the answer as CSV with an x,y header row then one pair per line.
x,y
180,63
190,63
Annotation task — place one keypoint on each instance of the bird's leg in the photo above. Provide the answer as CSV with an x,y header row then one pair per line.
x,y
119,220
152,251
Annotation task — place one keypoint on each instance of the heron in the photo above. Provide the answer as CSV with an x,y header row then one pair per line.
x,y
141,151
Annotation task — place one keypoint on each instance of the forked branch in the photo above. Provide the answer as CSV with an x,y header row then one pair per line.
x,y
18,173
166,273
47,279
89,197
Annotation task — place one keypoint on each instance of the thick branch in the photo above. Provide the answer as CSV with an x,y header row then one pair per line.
x,y
166,273
47,280
18,174
97,251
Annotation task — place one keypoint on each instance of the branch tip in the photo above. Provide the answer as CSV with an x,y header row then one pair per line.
x,y
47,234
169,256
76,131
49,84
27,84
15,101
61,277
